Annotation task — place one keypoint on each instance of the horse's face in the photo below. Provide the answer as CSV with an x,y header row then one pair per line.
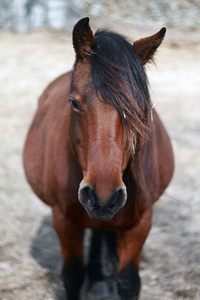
x,y
96,130
97,138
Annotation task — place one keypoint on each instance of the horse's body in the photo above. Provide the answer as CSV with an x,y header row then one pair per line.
x,y
79,159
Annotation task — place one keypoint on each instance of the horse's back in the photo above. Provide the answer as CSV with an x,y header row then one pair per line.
x,y
56,89
43,133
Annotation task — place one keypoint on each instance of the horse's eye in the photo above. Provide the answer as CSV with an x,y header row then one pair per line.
x,y
75,104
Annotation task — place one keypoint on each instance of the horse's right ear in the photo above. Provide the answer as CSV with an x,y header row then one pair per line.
x,y
83,38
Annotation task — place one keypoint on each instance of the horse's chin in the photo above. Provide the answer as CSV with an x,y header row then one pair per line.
x,y
98,216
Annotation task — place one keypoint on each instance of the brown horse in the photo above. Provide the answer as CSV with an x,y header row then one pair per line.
x,y
99,155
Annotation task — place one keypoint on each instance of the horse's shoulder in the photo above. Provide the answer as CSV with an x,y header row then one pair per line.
x,y
38,150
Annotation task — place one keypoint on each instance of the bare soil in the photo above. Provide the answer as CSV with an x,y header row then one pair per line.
x,y
30,259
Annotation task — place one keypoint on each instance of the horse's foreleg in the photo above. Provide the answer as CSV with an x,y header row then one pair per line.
x,y
71,240
129,248
94,265
97,285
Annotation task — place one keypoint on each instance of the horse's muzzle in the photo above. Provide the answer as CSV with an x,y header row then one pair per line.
x,y
98,209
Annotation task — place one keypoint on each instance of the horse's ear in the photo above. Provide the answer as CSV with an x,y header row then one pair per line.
x,y
146,48
83,38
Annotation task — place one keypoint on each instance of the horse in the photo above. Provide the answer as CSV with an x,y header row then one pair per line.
x,y
98,154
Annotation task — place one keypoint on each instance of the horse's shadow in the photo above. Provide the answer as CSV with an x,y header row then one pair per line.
x,y
45,249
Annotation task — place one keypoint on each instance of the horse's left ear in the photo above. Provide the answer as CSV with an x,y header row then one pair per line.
x,y
83,38
146,48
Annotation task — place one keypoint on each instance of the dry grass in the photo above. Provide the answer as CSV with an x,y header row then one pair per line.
x,y
30,256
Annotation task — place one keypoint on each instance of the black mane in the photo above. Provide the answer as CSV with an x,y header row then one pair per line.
x,y
118,76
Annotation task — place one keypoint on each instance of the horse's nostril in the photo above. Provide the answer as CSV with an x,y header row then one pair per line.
x,y
122,194
118,199
87,196
113,199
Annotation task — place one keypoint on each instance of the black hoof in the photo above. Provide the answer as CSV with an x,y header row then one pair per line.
x,y
99,291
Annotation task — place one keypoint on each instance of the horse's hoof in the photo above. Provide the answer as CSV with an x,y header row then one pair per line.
x,y
99,291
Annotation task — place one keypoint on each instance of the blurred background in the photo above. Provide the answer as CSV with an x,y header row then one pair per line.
x,y
23,15
35,48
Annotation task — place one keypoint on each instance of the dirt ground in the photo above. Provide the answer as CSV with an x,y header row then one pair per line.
x,y
30,259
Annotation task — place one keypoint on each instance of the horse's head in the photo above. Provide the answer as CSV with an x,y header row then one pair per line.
x,y
97,138
105,118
